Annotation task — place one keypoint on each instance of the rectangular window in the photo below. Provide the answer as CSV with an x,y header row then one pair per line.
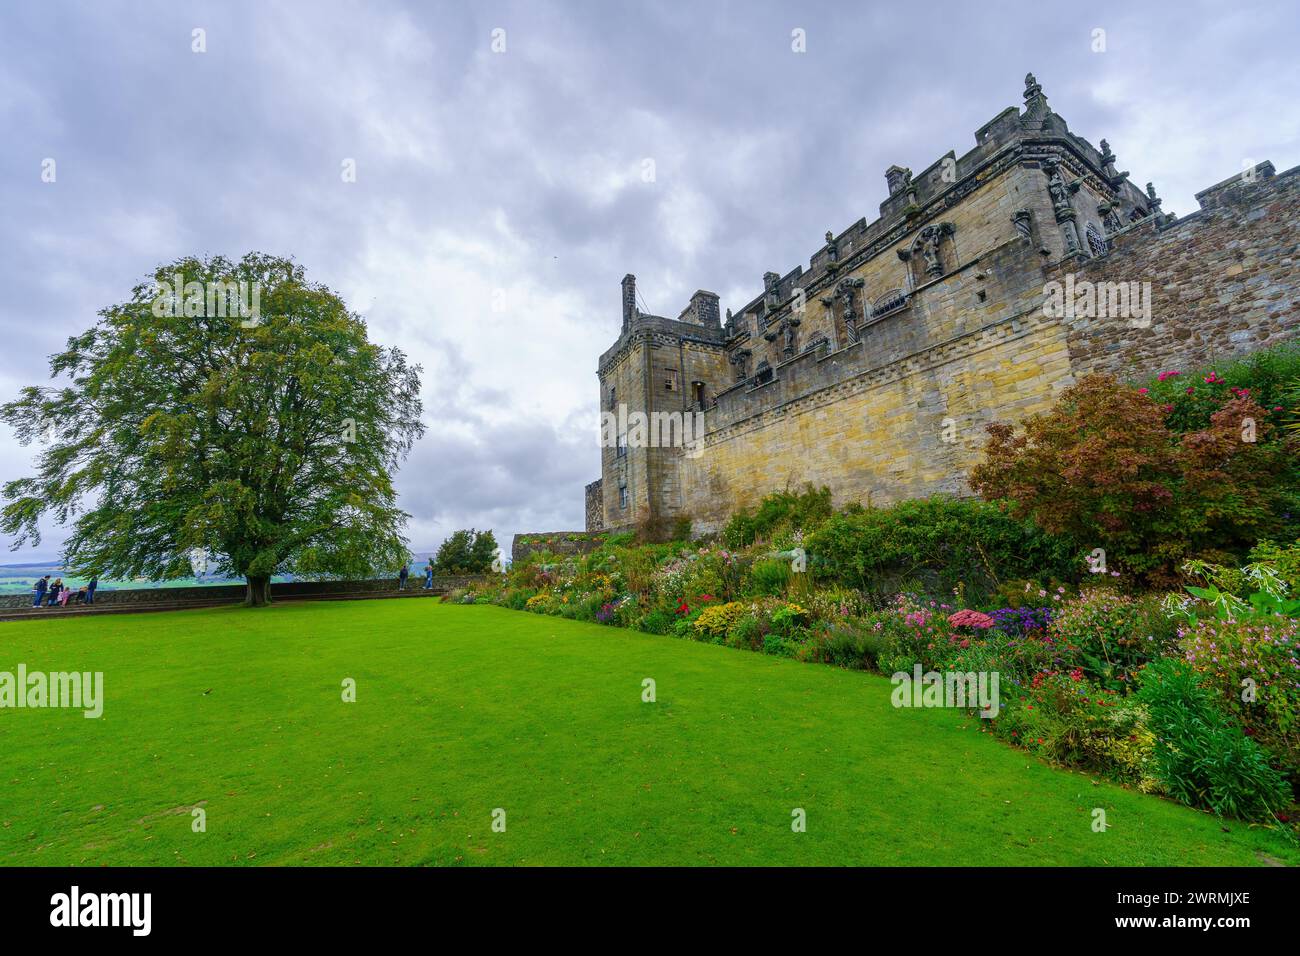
x,y
620,450
613,402
622,496
670,380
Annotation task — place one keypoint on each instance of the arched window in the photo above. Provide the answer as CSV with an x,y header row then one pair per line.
x,y
1096,241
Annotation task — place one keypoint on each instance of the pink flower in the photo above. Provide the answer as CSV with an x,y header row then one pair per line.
x,y
1142,391
969,618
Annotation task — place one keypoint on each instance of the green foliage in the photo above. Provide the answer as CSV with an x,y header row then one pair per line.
x,y
946,540
268,441
1282,559
1202,759
656,622
788,619
467,551
783,511
747,633
770,577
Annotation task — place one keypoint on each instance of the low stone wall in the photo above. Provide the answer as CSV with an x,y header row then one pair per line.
x,y
233,593
558,542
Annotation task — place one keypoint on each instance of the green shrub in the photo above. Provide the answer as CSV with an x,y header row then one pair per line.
x,y
779,646
657,621
783,512
747,633
770,577
1202,760
941,540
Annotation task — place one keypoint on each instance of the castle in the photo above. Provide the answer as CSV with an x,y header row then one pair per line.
x,y
988,283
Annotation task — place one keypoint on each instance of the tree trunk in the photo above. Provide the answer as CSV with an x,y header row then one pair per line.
x,y
258,592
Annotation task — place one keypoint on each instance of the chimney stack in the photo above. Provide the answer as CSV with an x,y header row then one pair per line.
x,y
629,300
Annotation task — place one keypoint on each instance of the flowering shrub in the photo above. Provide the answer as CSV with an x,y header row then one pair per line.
x,y
1019,621
1254,668
538,603
1111,635
972,619
1192,397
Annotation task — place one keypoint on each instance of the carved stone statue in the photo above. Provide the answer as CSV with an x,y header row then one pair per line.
x,y
740,361
931,253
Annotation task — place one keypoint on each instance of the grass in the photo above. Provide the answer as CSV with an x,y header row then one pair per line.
x,y
464,709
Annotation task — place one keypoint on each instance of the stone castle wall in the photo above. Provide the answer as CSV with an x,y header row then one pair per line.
x,y
875,371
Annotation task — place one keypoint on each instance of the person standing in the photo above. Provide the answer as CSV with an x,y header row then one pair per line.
x,y
90,588
428,575
402,576
55,588
42,585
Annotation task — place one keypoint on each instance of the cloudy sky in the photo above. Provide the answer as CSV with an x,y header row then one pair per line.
x,y
501,194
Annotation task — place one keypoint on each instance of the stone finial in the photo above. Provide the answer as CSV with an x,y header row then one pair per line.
x,y
1153,200
1036,108
830,236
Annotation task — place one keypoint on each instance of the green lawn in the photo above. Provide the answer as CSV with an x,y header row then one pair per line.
x,y
461,710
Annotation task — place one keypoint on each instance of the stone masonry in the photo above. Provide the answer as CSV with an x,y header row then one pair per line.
x,y
875,370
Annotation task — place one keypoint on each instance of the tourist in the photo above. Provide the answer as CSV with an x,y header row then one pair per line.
x,y
402,576
90,589
81,595
55,588
428,575
63,596
42,585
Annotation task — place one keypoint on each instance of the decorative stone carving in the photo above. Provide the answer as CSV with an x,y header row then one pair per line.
x,y
1024,223
1036,108
739,360
845,291
891,301
1110,220
832,252
1113,176
1153,200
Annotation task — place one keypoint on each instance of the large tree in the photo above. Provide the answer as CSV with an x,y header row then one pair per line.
x,y
266,437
